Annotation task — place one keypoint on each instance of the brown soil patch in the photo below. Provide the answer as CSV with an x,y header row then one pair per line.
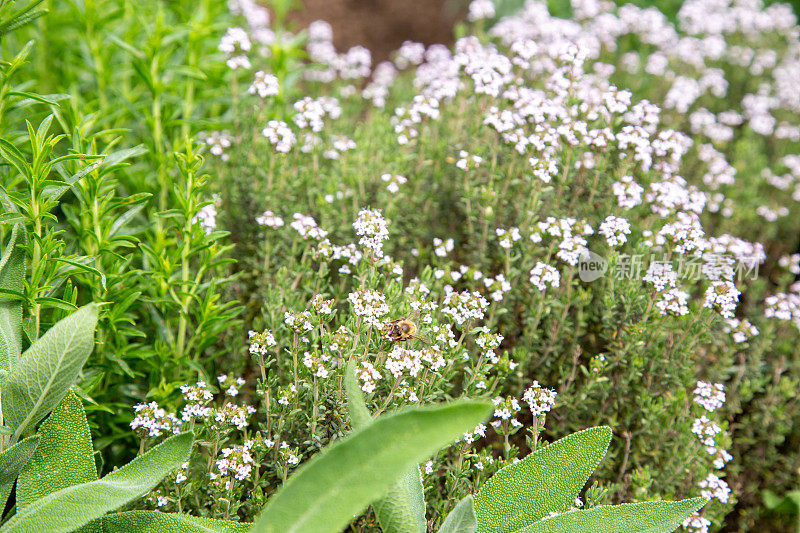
x,y
383,25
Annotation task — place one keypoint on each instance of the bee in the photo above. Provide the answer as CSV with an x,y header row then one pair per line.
x,y
401,330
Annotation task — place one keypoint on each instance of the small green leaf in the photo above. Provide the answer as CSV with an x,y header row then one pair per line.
x,y
47,301
402,509
547,480
33,96
70,508
11,218
339,482
461,519
55,191
12,155
115,158
12,461
645,517
359,414
22,17
64,456
12,278
45,372
87,268
158,522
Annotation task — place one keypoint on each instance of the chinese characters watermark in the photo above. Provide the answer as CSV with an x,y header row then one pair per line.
x,y
592,266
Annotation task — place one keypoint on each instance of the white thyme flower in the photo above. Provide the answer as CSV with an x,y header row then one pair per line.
x,y
370,305
539,399
373,230
710,396
480,9
543,275
615,229
264,84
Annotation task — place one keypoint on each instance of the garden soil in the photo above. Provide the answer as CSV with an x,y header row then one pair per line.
x,y
383,25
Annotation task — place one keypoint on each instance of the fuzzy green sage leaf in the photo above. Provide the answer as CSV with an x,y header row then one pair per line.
x,y
45,372
64,456
158,522
12,461
645,517
70,508
339,482
462,518
547,480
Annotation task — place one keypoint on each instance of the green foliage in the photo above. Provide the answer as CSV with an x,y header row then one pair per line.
x,y
184,290
117,149
548,480
644,517
788,505
74,506
462,518
402,508
12,461
12,275
158,522
343,479
47,369
10,21
64,456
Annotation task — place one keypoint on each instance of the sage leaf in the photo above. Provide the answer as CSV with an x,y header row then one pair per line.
x,y
356,407
158,522
72,507
461,519
339,482
45,372
64,457
12,461
645,517
12,274
402,509
547,480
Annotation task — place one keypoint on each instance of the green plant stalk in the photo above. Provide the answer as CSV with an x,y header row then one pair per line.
x,y
184,301
188,100
158,141
97,60
3,90
314,409
36,252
